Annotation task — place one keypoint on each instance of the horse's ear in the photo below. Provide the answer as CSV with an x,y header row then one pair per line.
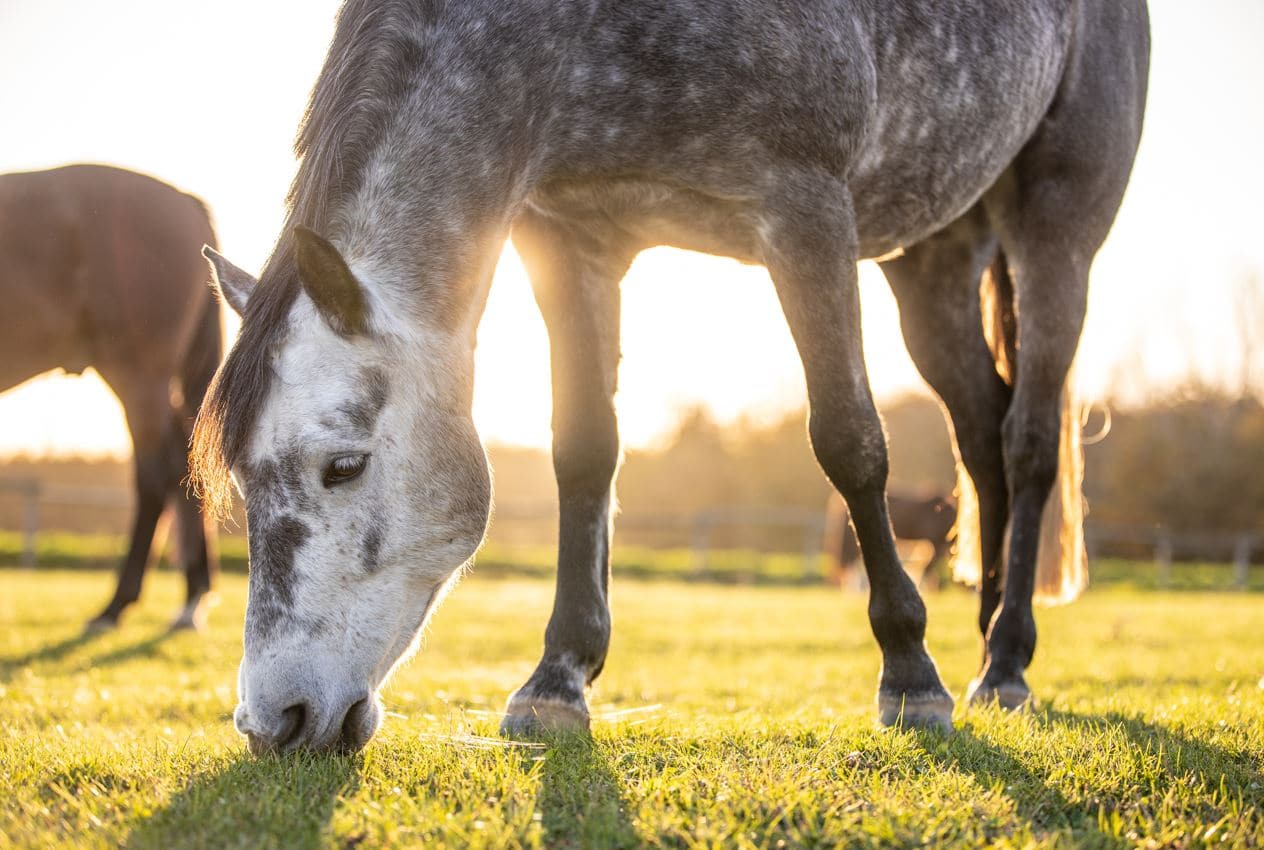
x,y
329,282
234,285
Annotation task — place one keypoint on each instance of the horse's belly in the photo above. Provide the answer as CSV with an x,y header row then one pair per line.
x,y
655,213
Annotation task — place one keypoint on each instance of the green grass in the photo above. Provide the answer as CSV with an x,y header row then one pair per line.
x,y
726,566
727,717
74,550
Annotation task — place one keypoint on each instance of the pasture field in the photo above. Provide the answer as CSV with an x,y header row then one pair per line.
x,y
730,716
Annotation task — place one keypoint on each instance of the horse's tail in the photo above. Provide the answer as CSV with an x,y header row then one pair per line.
x,y
1062,563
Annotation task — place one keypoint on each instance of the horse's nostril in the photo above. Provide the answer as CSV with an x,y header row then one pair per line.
x,y
293,719
292,727
353,721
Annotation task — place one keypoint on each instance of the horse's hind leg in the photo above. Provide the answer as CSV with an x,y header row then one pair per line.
x,y
576,281
936,284
155,437
1052,211
195,555
1052,285
810,250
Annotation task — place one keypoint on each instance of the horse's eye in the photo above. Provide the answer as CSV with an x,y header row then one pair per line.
x,y
343,469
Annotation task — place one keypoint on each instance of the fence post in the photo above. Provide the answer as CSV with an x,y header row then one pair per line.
x,y
813,532
701,542
1163,557
31,525
1241,561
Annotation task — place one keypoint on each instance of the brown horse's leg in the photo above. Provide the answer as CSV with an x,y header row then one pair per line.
x,y
810,249
195,555
936,283
933,577
576,278
156,444
196,533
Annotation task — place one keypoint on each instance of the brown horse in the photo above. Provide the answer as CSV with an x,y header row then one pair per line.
x,y
102,267
914,516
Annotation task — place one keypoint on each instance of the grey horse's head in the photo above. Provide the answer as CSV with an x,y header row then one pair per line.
x,y
366,488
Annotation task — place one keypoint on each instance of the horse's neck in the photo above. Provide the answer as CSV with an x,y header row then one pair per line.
x,y
443,180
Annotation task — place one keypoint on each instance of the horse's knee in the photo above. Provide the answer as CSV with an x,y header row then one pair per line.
x,y
851,449
586,454
1014,630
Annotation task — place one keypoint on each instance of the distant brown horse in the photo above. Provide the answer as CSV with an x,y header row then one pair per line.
x,y
914,516
102,267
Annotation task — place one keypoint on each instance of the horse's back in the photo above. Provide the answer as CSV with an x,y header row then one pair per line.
x,y
98,266
918,108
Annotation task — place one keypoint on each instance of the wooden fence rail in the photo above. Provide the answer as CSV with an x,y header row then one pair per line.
x,y
700,527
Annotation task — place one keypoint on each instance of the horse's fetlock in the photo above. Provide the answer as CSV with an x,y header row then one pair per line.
x,y
898,623
1013,635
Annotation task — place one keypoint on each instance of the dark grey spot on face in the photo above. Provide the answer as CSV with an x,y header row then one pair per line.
x,y
275,536
370,548
273,545
291,469
318,626
363,412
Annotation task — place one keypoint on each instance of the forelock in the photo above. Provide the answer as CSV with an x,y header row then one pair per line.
x,y
239,391
364,78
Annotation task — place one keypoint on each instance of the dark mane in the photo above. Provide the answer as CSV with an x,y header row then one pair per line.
x,y
366,74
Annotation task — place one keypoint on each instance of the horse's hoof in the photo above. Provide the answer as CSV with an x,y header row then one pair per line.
x,y
1011,696
100,625
528,717
931,711
192,618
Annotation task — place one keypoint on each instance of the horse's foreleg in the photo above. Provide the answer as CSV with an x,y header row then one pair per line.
x,y
575,278
936,284
810,249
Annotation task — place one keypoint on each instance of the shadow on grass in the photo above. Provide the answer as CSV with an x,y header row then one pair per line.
x,y
58,651
579,797
141,649
50,654
1183,758
1180,753
1036,800
286,801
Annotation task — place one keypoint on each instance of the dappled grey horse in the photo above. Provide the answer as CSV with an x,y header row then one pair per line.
x,y
802,136
100,267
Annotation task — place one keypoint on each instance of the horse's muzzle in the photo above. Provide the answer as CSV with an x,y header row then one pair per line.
x,y
344,726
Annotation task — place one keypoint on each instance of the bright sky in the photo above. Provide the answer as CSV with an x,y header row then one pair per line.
x,y
207,96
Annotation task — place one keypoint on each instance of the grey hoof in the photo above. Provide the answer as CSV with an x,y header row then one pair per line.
x,y
1011,696
192,618
527,717
100,625
925,711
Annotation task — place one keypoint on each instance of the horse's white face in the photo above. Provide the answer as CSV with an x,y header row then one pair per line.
x,y
366,491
